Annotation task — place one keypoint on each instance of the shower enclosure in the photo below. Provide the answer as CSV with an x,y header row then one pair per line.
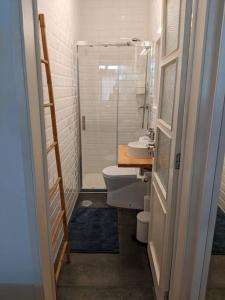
x,y
114,95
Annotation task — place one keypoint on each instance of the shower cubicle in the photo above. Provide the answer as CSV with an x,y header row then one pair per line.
x,y
115,92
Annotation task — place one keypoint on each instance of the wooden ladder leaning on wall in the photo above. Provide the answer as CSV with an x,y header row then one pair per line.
x,y
61,220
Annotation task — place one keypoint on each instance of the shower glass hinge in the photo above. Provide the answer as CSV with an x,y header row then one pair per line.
x,y
177,162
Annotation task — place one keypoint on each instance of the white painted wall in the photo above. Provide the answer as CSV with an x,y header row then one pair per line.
x,y
62,26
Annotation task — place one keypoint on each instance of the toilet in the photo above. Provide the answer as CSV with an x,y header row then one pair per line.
x,y
124,189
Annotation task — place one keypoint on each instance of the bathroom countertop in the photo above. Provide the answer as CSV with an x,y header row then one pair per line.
x,y
127,161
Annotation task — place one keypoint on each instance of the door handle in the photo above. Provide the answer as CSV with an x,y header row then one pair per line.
x,y
83,123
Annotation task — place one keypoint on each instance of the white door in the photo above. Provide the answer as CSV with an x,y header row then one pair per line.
x,y
173,69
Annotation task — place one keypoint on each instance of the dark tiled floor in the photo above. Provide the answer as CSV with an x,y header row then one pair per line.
x,y
109,276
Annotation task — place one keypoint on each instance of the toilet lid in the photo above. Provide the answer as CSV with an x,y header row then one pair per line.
x,y
116,171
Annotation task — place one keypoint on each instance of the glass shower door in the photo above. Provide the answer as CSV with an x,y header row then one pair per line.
x,y
133,105
98,88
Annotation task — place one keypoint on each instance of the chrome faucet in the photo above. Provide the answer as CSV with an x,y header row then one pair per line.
x,y
151,134
151,144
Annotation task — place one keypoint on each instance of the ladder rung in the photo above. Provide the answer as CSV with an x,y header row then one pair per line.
x,y
58,268
54,187
51,147
48,104
57,225
44,61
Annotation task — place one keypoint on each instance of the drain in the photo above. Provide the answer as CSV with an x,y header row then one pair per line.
x,y
86,203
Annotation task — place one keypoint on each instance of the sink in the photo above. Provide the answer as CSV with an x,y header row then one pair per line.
x,y
138,149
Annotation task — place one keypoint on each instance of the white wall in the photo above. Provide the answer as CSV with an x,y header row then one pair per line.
x,y
62,21
112,19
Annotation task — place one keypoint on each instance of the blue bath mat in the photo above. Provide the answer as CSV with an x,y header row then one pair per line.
x,y
94,230
219,234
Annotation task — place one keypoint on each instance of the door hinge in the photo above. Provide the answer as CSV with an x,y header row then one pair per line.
x,y
177,162
166,296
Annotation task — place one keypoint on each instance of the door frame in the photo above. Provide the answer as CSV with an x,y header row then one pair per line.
x,y
195,224
202,154
217,136
37,182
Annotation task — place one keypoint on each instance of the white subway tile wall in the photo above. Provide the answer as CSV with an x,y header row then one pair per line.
x,y
62,30
110,20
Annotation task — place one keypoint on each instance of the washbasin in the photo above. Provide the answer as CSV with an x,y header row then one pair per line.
x,y
138,149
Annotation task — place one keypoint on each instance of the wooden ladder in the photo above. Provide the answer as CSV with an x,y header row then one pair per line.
x,y
61,220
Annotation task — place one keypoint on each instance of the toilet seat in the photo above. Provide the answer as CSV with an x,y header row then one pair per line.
x,y
115,171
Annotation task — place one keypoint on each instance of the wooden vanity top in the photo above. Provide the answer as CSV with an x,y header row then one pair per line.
x,y
127,161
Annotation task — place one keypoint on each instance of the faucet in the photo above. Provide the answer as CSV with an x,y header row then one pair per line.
x,y
151,134
151,144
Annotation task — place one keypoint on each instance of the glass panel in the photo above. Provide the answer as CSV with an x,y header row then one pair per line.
x,y
132,93
172,25
98,82
163,158
112,83
168,92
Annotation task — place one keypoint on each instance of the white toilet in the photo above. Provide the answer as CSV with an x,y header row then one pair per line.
x,y
124,189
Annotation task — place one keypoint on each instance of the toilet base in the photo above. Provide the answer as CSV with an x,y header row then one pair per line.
x,y
130,196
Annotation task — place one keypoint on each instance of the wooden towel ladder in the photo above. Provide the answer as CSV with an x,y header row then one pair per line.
x,y
61,220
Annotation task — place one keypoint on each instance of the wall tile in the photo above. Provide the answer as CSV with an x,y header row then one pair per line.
x,y
62,30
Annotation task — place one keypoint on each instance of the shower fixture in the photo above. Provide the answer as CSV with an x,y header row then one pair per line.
x,y
132,42
145,50
136,40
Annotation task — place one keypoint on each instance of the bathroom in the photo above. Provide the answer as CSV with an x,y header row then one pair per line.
x,y
104,64
108,152
112,147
